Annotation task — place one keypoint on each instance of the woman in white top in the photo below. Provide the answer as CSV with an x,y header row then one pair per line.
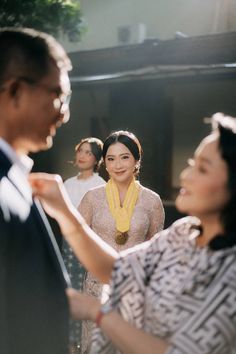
x,y
88,154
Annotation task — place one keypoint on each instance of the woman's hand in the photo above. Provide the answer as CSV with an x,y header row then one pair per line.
x,y
51,192
94,253
82,306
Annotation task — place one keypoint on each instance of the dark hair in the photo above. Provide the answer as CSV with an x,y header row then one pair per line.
x,y
226,127
28,53
129,140
96,148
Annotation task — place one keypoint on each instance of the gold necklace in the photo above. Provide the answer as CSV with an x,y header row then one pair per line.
x,y
121,237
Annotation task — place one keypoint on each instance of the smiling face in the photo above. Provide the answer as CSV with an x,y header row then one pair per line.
x,y
204,190
120,163
85,159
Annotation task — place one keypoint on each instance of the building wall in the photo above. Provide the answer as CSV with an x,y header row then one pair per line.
x,y
192,102
162,19
179,105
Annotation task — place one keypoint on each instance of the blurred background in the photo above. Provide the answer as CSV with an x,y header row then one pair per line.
x,y
159,68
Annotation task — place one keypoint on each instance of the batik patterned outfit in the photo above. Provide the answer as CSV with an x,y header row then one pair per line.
x,y
175,290
146,221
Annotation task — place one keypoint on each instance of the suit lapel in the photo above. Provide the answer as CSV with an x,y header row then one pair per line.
x,y
53,242
13,187
5,164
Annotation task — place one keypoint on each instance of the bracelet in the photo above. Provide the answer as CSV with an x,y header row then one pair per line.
x,y
104,309
99,317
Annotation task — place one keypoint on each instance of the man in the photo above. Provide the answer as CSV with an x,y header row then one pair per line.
x,y
34,98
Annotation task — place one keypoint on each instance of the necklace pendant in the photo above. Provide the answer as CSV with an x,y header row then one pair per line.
x,y
121,237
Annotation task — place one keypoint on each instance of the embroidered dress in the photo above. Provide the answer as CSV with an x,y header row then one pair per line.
x,y
171,288
147,219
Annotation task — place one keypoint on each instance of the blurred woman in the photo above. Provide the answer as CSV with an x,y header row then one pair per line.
x,y
88,156
122,212
175,293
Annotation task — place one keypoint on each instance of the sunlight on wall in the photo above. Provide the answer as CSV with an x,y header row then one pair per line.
x,y
162,19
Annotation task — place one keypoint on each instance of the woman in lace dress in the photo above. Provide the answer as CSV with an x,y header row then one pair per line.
x,y
174,294
88,155
122,212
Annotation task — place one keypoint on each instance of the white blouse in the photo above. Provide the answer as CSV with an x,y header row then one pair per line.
x,y
77,188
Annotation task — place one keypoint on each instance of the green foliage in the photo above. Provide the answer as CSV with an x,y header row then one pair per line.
x,y
51,16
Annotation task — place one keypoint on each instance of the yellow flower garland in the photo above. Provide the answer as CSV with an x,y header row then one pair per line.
x,y
122,215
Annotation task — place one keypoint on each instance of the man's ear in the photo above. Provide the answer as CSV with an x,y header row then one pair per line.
x,y
14,88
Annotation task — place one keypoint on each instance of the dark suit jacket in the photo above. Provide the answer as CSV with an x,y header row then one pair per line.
x,y
33,304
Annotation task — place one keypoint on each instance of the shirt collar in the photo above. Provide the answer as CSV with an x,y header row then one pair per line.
x,y
24,162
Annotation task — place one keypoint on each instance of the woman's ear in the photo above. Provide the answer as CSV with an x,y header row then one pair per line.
x,y
137,166
10,87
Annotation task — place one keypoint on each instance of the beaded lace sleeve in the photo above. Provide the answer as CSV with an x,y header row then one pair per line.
x,y
157,218
86,208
